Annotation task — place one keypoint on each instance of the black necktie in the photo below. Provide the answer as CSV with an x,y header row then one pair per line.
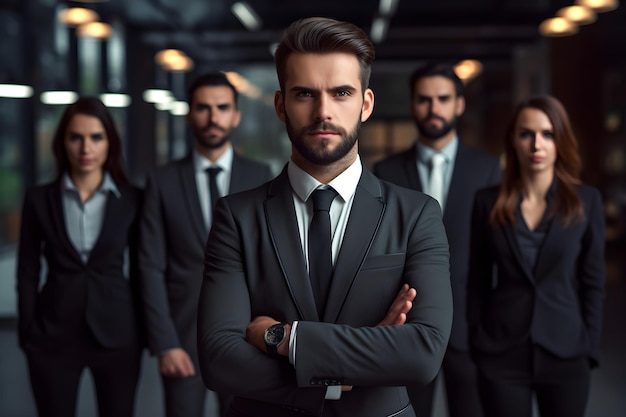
x,y
320,249
213,171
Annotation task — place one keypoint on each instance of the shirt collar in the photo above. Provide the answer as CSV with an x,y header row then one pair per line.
x,y
107,185
425,153
201,162
345,183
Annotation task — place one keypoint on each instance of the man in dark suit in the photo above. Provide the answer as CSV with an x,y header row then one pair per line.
x,y
176,218
437,102
324,311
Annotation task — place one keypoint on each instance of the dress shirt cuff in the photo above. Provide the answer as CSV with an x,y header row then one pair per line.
x,y
333,392
292,344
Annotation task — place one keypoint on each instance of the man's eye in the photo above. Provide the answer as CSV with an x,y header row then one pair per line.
x,y
342,93
304,94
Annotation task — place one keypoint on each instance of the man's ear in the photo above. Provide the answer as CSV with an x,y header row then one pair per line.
x,y
368,105
460,106
279,105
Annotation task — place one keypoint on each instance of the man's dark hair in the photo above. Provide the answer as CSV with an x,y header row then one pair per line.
x,y
321,35
434,69
211,79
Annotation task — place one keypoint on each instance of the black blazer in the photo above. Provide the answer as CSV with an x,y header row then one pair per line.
x,y
558,304
473,170
171,256
255,266
96,294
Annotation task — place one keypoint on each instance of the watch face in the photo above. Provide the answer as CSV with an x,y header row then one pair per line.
x,y
275,334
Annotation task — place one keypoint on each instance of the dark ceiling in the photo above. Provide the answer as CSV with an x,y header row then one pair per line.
x,y
419,29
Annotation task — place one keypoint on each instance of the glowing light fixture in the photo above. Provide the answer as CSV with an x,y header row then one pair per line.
x,y
157,95
180,64
387,7
557,27
599,6
579,14
75,16
58,97
468,69
379,29
115,99
165,56
97,30
179,108
246,15
16,91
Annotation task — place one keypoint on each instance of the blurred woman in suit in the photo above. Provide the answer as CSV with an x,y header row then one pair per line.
x,y
85,313
537,272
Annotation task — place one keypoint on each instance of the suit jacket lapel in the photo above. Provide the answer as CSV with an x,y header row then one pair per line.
x,y
458,181
410,168
190,195
236,176
283,230
365,217
509,231
56,208
554,232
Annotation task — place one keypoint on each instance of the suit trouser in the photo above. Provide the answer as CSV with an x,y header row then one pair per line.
x,y
185,397
461,384
507,382
55,379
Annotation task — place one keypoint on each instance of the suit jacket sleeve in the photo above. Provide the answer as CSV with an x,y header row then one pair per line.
x,y
592,274
480,265
152,256
28,266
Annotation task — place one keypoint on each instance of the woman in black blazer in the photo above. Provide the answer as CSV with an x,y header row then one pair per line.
x,y
537,272
84,314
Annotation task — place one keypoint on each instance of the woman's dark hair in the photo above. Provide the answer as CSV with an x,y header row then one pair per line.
x,y
90,106
566,167
321,35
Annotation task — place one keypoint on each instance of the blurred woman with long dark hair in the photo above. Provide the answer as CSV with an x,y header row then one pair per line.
x,y
537,272
85,313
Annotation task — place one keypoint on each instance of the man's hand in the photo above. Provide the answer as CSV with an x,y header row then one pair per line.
x,y
255,334
400,307
176,363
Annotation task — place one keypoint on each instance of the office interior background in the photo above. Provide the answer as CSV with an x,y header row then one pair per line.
x,y
140,55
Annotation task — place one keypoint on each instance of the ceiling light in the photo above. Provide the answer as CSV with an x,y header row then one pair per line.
x,y
599,6
179,108
157,95
58,97
16,91
468,69
96,30
557,26
580,14
164,56
76,16
182,63
387,7
379,30
246,15
115,99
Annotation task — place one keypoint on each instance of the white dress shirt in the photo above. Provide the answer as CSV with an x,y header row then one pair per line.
x,y
201,163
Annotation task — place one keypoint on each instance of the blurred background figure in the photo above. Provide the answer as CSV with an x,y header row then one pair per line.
x,y
445,168
176,218
85,313
537,272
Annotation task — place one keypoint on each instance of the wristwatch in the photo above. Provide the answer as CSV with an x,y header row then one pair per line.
x,y
274,336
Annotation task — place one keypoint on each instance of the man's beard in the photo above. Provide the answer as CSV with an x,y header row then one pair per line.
x,y
207,143
432,132
323,156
